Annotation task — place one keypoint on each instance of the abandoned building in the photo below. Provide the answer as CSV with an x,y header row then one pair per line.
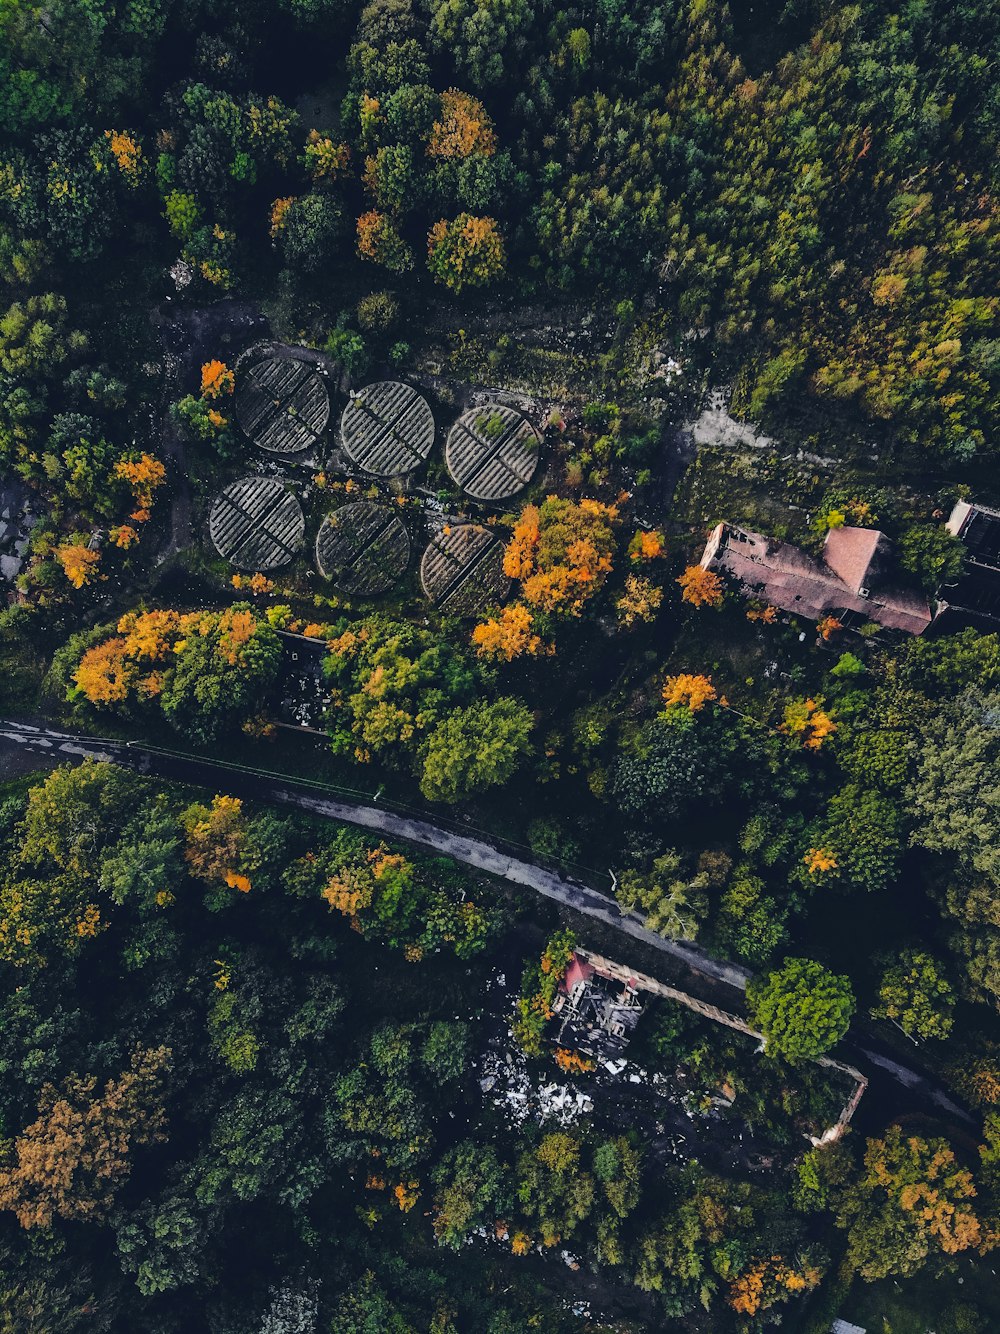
x,y
594,1012
855,581
977,589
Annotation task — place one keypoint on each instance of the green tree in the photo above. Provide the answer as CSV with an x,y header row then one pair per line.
x,y
162,1242
366,1309
750,923
932,555
801,1008
618,1170
952,663
554,1190
475,748
916,995
392,683
219,675
677,766
860,829
445,1053
680,1257
470,1192
675,903
955,798
313,234
485,38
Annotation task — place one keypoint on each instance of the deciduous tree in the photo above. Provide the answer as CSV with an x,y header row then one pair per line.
x,y
915,994
562,551
802,1009
465,252
912,1201
701,587
74,1157
475,748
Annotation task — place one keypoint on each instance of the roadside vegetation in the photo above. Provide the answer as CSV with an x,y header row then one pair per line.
x,y
260,1073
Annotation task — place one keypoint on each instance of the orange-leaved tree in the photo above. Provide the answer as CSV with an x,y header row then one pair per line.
x,y
819,860
464,128
216,378
808,722
145,475
509,635
72,1159
127,153
324,159
701,587
207,669
279,214
79,563
690,692
562,551
767,1282
828,626
107,674
647,546
572,1062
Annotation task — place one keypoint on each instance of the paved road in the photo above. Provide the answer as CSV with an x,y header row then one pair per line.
x,y
57,746
473,852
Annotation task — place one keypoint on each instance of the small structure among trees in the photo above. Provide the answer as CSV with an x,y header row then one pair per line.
x,y
462,570
492,452
855,579
387,429
282,404
978,588
363,548
257,524
593,1011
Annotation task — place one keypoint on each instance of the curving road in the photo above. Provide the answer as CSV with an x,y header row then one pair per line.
x,y
57,747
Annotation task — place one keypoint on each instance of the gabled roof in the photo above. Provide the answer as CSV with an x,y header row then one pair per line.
x,y
851,554
789,578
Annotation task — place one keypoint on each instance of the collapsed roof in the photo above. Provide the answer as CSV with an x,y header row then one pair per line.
x,y
856,575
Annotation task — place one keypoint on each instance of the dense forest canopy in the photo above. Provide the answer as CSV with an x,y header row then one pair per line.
x,y
588,285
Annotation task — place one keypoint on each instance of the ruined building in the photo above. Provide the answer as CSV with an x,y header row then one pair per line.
x,y
594,1012
856,580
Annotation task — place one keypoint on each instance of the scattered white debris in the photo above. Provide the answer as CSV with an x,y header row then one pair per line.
x,y
182,274
506,1082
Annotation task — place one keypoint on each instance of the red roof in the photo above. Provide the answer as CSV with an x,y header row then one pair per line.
x,y
849,552
786,577
578,971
